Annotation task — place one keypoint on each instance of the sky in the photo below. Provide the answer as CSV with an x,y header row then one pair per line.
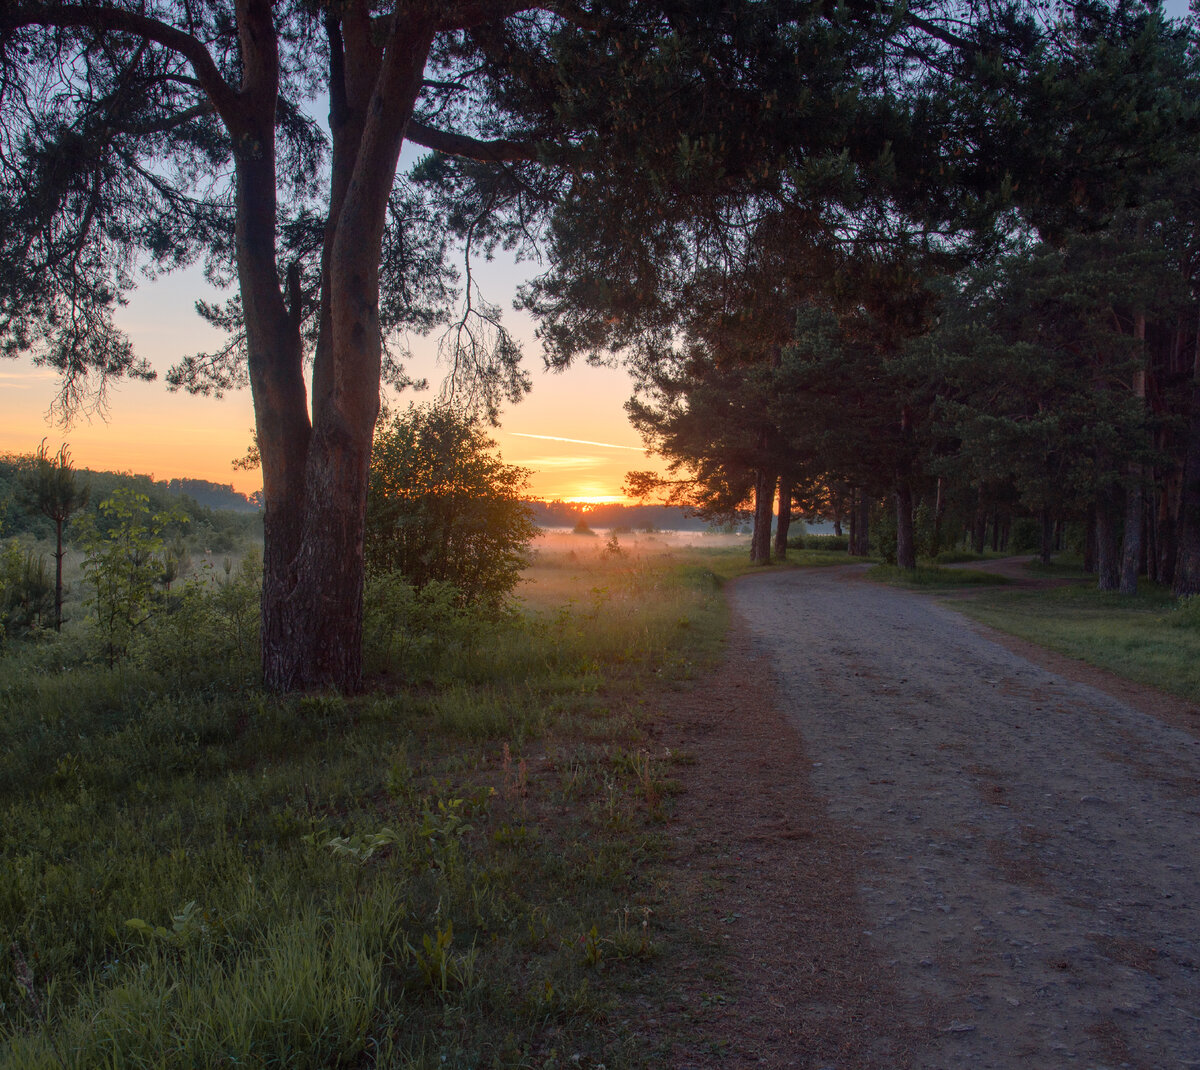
x,y
571,430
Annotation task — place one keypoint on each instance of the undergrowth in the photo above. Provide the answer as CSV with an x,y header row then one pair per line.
x,y
927,576
455,869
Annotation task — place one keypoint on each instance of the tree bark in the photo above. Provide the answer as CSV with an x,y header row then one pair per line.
x,y
1187,557
784,520
315,474
1047,546
1108,560
906,548
939,515
764,500
1166,525
852,541
979,530
1089,543
864,525
1131,543
1131,549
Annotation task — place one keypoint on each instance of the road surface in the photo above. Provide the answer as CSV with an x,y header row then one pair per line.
x,y
1030,846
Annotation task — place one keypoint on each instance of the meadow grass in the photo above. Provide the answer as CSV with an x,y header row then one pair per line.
x,y
454,869
1149,637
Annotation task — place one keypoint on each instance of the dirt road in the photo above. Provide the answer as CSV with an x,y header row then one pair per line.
x,y
1027,849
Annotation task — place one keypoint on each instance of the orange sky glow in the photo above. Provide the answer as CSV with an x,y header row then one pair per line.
x,y
571,431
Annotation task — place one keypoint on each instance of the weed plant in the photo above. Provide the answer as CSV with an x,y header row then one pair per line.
x,y
455,869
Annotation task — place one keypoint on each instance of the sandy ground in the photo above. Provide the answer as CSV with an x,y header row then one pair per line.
x,y
921,849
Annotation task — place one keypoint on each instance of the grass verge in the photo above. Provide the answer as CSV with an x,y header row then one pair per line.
x,y
456,870
926,577
1148,637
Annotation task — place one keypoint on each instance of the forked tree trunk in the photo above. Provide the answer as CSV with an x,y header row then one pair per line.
x,y
315,474
906,547
764,500
784,520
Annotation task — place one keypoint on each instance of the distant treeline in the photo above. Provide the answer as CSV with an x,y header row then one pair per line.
x,y
215,517
635,517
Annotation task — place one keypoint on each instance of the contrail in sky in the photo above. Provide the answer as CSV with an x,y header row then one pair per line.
x,y
577,441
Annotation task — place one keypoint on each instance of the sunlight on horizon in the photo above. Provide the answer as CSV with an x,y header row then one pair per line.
x,y
147,429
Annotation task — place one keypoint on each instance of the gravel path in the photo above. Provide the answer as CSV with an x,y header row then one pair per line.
x,y
1029,846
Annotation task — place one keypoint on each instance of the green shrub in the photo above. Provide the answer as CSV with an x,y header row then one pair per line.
x,y
123,565
442,508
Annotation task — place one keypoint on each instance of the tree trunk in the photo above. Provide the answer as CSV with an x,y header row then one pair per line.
x,y
1047,547
864,525
852,541
1131,549
1089,543
785,518
1131,544
906,548
1166,527
315,473
939,515
979,530
1187,556
764,499
1108,559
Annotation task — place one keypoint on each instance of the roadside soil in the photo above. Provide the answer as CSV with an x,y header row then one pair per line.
x,y
915,847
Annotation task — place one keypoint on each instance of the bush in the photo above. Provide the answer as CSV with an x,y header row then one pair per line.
x,y
442,508
123,566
